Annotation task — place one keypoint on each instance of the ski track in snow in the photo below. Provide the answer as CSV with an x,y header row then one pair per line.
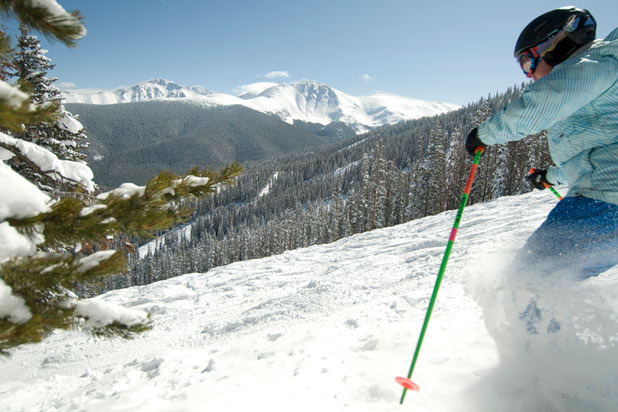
x,y
322,328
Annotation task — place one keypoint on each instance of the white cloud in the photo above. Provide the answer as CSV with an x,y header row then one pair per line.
x,y
66,85
277,73
366,77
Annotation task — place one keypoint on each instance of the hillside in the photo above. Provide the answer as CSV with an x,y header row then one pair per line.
x,y
329,328
132,142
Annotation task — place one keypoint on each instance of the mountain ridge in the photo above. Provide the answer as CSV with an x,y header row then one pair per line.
x,y
307,101
145,91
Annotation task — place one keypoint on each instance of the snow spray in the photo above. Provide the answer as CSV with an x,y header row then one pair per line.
x,y
556,337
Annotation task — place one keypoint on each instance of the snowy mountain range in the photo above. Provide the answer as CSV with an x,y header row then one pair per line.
x,y
307,101
151,90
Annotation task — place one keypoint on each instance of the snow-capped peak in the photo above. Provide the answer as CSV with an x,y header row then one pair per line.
x,y
314,102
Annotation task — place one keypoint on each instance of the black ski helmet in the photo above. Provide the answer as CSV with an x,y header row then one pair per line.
x,y
551,23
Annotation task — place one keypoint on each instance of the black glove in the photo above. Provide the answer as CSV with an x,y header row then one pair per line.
x,y
473,142
538,178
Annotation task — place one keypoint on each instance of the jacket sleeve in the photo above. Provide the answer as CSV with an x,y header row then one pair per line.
x,y
550,99
555,175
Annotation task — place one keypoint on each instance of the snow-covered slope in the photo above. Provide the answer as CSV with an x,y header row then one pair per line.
x,y
307,101
149,90
329,327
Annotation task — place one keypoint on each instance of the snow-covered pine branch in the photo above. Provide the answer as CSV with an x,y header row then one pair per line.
x,y
47,17
46,163
11,96
39,260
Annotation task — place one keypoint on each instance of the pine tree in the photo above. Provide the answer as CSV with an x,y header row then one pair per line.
x,y
501,172
456,164
64,137
31,68
403,197
416,205
377,189
436,153
362,209
431,175
482,184
354,210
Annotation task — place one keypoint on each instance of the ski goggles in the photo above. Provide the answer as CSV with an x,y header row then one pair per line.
x,y
529,59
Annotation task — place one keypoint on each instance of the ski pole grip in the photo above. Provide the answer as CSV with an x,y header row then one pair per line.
x,y
531,171
547,186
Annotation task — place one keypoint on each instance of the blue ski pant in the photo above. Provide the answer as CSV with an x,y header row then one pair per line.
x,y
580,235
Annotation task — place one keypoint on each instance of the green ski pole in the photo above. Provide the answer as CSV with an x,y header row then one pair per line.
x,y
554,191
407,382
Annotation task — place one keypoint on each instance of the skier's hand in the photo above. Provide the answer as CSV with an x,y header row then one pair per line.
x,y
538,178
473,142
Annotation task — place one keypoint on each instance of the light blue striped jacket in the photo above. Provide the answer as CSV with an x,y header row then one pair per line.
x,y
578,105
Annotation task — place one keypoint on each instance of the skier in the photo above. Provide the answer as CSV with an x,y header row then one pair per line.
x,y
575,97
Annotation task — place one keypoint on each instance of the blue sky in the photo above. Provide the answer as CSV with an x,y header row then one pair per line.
x,y
447,51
